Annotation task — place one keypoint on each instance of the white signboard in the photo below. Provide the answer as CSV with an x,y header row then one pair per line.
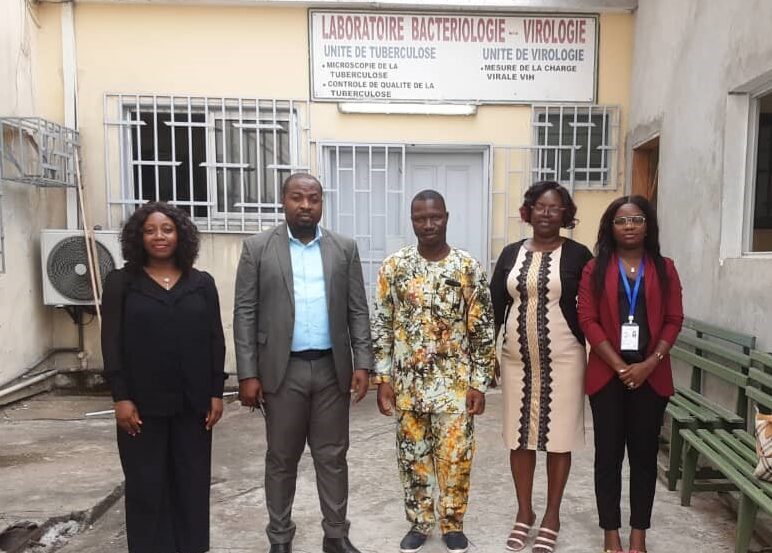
x,y
387,56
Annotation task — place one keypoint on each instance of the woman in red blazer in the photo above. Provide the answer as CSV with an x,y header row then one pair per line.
x,y
630,310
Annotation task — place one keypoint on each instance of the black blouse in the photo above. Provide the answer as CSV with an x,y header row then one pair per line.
x,y
639,317
163,349
572,261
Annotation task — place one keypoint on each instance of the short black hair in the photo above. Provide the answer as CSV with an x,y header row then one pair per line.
x,y
132,240
428,194
535,192
300,176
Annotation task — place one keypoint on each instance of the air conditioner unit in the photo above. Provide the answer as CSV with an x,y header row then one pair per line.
x,y
66,279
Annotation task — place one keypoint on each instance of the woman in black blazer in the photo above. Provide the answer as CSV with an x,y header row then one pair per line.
x,y
164,356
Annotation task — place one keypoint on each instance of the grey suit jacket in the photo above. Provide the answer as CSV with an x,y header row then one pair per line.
x,y
264,310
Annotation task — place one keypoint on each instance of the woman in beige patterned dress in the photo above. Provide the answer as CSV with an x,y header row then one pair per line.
x,y
534,289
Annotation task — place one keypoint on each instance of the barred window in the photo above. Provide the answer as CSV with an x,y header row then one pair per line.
x,y
223,160
575,145
35,152
245,150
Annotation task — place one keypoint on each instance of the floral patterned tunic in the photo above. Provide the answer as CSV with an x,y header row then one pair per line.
x,y
433,330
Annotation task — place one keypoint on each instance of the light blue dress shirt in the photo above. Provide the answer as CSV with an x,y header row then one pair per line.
x,y
312,325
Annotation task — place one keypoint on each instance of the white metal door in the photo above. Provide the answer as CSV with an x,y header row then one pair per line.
x,y
461,177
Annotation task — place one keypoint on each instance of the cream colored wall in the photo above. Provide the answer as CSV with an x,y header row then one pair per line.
x,y
49,95
231,51
263,52
25,324
615,63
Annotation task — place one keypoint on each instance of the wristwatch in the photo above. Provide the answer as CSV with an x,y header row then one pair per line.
x,y
659,356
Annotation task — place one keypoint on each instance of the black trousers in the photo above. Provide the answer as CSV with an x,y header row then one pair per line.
x,y
168,470
626,418
308,407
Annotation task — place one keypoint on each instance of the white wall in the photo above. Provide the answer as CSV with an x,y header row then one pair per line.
x,y
25,325
688,55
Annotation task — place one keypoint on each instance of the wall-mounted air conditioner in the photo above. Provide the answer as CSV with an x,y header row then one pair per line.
x,y
66,279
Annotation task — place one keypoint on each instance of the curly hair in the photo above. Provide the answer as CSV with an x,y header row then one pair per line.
x,y
606,246
535,192
132,241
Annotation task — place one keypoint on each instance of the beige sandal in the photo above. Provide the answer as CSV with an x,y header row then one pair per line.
x,y
518,536
542,543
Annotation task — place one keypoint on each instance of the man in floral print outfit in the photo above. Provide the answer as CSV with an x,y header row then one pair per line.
x,y
434,349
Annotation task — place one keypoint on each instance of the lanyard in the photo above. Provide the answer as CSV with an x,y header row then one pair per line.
x,y
632,297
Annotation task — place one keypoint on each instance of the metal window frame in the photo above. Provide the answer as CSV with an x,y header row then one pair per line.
x,y
751,164
118,108
332,193
517,177
52,165
248,123
609,145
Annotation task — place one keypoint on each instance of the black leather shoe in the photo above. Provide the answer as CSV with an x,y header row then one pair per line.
x,y
338,545
281,548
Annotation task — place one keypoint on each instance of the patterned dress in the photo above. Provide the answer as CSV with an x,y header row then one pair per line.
x,y
542,362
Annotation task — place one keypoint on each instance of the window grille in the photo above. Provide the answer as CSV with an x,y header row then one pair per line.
x,y
507,193
221,159
37,151
575,145
365,198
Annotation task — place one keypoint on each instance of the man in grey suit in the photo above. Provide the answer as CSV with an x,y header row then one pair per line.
x,y
300,312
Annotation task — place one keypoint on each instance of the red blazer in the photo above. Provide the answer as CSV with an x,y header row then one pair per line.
x,y
599,320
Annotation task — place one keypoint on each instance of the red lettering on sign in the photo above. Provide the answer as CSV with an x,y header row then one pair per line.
x,y
555,31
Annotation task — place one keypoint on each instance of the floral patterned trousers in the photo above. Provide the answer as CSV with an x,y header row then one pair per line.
x,y
435,448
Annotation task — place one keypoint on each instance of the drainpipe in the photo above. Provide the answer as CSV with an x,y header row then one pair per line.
x,y
27,383
70,87
4,392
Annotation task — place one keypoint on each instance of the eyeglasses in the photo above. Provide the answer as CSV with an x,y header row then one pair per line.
x,y
635,220
550,211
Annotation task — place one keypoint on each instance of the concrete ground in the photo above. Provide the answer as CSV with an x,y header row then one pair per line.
x,y
54,462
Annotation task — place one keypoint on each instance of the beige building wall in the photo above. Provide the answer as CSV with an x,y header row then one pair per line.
x,y
263,52
26,329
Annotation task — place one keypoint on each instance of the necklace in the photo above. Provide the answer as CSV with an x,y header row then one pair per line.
x,y
165,281
631,268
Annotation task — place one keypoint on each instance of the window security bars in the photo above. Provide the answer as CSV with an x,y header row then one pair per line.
x,y
37,151
365,199
575,145
506,225
221,159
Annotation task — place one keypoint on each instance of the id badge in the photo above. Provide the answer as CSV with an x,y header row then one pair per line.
x,y
630,333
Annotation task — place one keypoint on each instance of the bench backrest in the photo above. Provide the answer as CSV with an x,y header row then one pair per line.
x,y
723,353
759,388
702,329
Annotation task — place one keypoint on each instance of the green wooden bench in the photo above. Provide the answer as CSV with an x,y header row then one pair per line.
x,y
722,353
733,453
